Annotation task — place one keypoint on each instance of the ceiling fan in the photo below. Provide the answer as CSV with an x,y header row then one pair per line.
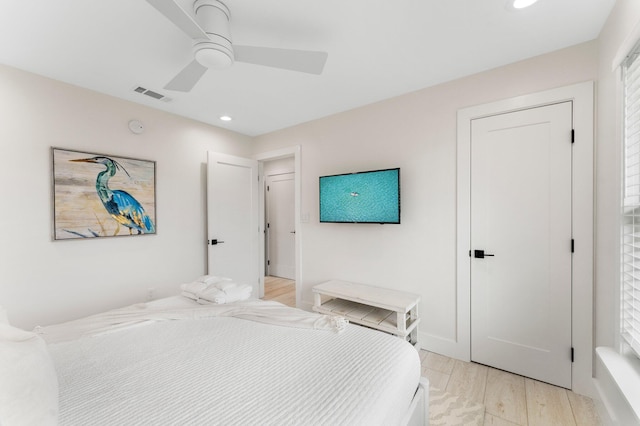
x,y
212,46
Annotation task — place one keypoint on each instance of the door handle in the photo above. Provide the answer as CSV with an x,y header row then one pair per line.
x,y
216,242
480,254
292,232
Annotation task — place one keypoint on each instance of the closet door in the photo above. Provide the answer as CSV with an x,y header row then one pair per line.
x,y
521,242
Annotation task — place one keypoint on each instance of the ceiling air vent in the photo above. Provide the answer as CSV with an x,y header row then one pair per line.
x,y
152,94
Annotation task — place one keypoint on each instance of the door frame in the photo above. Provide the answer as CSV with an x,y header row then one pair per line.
x,y
582,215
263,157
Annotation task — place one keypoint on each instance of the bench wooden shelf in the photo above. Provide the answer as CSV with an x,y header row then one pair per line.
x,y
394,312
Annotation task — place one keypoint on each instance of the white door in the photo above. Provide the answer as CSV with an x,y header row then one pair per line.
x,y
521,217
281,226
232,218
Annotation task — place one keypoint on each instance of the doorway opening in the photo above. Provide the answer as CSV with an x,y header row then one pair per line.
x,y
279,230
280,289
279,210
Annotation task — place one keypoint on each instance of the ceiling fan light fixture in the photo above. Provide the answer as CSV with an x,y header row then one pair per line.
x,y
213,48
521,4
211,12
215,51
211,57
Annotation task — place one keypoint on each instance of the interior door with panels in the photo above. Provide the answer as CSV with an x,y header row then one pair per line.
x,y
232,218
521,239
281,228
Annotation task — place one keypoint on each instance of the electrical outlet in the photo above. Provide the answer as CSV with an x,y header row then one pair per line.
x,y
150,294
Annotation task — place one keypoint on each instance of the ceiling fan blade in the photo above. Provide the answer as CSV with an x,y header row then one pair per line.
x,y
288,59
179,17
187,78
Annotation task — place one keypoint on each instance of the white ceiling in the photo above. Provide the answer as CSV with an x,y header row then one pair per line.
x,y
377,49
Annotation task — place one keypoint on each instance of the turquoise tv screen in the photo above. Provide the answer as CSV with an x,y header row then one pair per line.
x,y
363,197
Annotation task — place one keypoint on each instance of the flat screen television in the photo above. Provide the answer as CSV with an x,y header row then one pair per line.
x,y
363,197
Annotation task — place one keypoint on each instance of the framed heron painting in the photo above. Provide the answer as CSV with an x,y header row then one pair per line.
x,y
97,195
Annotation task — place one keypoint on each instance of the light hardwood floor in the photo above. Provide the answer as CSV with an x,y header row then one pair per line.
x,y
509,399
281,290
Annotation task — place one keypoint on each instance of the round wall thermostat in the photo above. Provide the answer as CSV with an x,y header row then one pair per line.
x,y
136,127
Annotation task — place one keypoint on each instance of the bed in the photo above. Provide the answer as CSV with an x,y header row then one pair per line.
x,y
175,361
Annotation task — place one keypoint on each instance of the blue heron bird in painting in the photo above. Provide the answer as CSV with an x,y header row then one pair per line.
x,y
125,209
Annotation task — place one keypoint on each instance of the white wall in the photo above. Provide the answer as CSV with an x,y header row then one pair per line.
x,y
42,281
416,132
619,32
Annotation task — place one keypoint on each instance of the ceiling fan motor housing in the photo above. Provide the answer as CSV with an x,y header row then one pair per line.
x,y
216,52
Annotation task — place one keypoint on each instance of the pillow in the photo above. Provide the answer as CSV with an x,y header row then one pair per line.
x,y
28,380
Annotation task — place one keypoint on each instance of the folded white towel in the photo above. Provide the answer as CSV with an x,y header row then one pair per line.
x,y
211,295
212,279
232,294
225,285
189,295
194,287
219,290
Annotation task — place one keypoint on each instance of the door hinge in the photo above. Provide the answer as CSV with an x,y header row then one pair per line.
x,y
573,245
573,136
267,187
572,354
469,253
268,262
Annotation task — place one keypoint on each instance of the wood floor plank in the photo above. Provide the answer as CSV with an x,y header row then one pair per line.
x,y
275,283
439,363
491,420
543,404
468,380
547,405
287,299
281,290
505,396
584,410
437,380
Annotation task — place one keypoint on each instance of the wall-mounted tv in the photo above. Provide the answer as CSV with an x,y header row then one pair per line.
x,y
363,197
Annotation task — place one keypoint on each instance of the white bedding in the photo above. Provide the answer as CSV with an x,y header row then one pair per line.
x,y
175,308
232,371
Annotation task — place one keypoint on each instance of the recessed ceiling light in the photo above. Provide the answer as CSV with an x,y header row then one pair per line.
x,y
225,118
521,4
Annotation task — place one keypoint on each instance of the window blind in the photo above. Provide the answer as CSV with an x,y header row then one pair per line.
x,y
630,256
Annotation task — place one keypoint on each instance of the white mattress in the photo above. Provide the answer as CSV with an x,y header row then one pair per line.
x,y
231,371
